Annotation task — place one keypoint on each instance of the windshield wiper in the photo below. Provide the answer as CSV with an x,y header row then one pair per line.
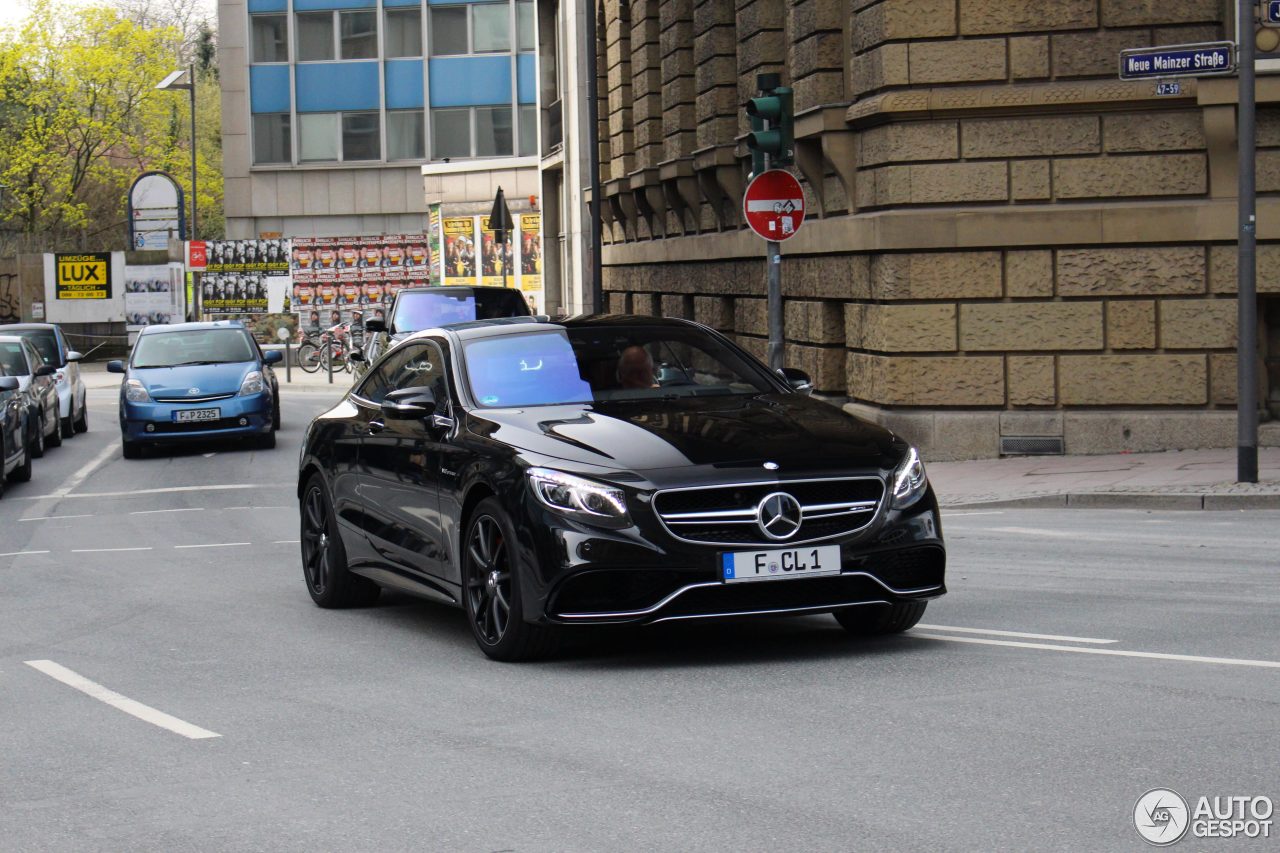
x,y
190,363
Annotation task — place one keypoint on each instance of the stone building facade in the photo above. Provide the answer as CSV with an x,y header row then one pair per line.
x,y
1004,240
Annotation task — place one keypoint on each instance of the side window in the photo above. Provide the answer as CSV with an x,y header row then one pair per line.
x,y
413,366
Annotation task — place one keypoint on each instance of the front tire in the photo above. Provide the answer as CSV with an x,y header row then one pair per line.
x,y
491,590
37,440
68,427
324,559
131,449
309,357
82,423
873,621
22,474
267,442
54,439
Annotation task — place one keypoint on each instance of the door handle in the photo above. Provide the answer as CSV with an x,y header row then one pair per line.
x,y
376,427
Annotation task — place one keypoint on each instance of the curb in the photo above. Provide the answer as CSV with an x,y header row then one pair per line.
x,y
1128,500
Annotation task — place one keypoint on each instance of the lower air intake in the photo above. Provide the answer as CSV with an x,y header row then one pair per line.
x,y
1031,445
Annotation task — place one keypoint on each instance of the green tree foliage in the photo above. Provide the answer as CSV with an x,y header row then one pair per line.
x,y
80,118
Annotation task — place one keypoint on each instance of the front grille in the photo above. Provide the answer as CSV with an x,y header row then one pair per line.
x,y
208,399
726,515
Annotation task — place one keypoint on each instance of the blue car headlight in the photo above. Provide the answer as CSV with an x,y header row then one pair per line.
x,y
136,392
252,383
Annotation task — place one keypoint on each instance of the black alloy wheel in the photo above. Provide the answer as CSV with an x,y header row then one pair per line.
x,y
324,560
491,591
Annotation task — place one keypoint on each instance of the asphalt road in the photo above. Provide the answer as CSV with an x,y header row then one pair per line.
x,y
386,729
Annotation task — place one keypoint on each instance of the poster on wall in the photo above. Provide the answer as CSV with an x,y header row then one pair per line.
x,y
495,265
150,297
433,245
338,276
241,274
83,276
531,260
459,250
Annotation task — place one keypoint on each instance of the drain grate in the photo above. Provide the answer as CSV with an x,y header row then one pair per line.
x,y
1032,445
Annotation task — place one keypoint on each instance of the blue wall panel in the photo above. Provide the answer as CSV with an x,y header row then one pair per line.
x,y
404,84
268,5
527,78
330,86
468,81
269,88
393,3
313,5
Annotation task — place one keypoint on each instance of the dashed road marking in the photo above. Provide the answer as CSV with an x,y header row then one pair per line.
x,y
1090,650
55,517
107,550
1025,636
179,509
214,545
22,553
134,708
165,490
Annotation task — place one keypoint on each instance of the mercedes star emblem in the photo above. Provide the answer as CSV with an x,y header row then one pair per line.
x,y
779,516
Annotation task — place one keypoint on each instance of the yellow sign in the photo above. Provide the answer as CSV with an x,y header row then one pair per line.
x,y
82,276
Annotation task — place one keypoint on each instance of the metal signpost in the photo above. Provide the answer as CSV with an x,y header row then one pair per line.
x,y
773,206
1164,63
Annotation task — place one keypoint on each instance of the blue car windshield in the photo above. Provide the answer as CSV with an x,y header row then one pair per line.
x,y
193,346
607,364
426,310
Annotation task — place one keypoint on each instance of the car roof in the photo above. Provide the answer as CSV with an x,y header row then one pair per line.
x,y
193,327
29,327
454,288
514,325
11,339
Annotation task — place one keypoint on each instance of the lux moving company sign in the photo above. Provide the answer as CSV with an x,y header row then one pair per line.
x,y
85,276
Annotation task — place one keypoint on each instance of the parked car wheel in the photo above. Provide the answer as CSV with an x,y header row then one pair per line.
x,y
324,560
883,619
54,439
131,449
268,441
492,590
82,422
22,473
68,427
275,411
37,439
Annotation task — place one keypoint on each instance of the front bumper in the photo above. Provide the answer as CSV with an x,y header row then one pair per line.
x,y
245,416
644,576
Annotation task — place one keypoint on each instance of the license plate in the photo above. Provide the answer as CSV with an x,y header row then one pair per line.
x,y
773,565
187,416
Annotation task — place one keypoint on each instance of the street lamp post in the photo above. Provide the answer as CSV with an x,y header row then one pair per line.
x,y
171,83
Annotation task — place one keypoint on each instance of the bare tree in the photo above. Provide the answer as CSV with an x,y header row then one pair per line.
x,y
190,17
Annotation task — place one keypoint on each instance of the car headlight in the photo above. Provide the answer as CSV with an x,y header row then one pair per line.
x,y
135,392
252,383
909,480
584,500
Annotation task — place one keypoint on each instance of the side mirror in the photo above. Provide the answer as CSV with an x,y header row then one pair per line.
x,y
46,370
115,366
798,380
74,356
356,355
9,383
375,326
271,356
409,404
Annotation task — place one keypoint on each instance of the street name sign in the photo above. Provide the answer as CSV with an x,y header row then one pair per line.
x,y
1270,16
773,205
1178,60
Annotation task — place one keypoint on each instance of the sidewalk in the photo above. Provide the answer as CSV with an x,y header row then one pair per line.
x,y
96,377
1180,479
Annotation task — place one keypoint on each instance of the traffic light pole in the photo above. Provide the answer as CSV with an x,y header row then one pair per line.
x,y
776,326
1247,284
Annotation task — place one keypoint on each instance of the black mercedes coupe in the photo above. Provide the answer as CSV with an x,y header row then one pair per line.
x,y
606,469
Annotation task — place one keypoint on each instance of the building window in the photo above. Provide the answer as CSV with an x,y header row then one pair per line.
x,y
269,44
315,36
403,35
359,35
449,30
451,133
317,137
528,130
361,139
271,142
493,132
490,28
406,139
526,23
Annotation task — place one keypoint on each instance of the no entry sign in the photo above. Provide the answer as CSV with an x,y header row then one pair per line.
x,y
774,205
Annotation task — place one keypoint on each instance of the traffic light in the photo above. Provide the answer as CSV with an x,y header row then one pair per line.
x,y
772,125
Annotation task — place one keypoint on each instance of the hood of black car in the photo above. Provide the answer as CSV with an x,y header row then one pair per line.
x,y
798,433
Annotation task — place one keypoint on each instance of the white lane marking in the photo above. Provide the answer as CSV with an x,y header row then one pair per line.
x,y
105,550
1088,650
85,470
167,490
55,517
154,511
22,553
995,633
963,514
210,455
287,542
231,508
1032,531
146,713
214,545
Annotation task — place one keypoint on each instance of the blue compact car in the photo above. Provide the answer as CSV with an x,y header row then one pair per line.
x,y
197,382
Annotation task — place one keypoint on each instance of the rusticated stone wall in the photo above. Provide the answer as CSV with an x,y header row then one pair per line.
x,y
1002,239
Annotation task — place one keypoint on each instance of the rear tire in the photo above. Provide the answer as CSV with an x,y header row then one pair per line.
x,y
872,621
324,559
309,357
491,590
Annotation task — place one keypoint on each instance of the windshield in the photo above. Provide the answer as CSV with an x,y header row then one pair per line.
x,y
46,343
197,346
426,310
615,364
12,359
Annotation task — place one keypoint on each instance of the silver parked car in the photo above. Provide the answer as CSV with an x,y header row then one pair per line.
x,y
50,341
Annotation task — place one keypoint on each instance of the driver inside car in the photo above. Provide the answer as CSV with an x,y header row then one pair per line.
x,y
635,368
